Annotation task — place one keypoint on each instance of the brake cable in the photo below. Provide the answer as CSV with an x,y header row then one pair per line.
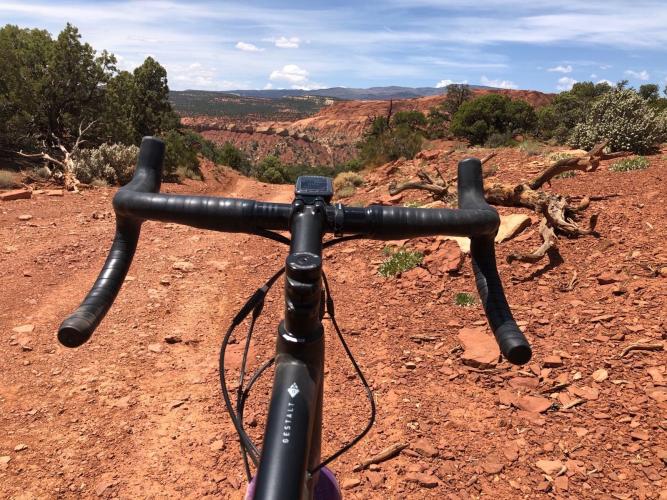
x,y
255,304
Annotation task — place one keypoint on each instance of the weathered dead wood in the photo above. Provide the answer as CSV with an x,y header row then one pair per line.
x,y
549,244
386,454
66,165
641,347
560,214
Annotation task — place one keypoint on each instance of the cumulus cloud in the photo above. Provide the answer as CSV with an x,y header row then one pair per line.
x,y
443,83
565,83
604,80
287,43
200,76
248,47
297,77
561,69
639,75
500,84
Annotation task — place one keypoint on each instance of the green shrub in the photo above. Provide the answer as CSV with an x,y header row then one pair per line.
x,y
628,164
100,183
400,261
530,147
478,119
112,163
624,119
497,140
383,143
7,180
569,108
179,153
465,299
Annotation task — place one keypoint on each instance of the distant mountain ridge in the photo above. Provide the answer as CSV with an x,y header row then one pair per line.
x,y
345,93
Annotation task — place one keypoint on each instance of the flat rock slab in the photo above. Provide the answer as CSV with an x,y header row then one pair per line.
x,y
17,194
479,348
511,225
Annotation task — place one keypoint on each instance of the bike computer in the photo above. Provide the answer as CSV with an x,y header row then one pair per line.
x,y
314,186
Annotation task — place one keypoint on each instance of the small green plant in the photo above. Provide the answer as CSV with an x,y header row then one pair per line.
x,y
7,180
345,192
627,164
400,261
464,299
559,155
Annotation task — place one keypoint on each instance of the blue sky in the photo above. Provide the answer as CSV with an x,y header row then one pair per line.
x,y
540,44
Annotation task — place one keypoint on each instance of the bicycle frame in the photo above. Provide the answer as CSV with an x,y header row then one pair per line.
x,y
291,449
292,438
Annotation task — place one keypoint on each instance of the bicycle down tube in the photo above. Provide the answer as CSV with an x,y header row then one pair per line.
x,y
292,438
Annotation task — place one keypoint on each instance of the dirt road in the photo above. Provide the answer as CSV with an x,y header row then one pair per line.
x,y
137,411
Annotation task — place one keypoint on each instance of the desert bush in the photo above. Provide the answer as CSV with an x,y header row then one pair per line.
x,y
400,261
113,163
530,147
7,180
383,142
478,119
628,164
497,140
556,121
43,172
347,180
624,119
100,183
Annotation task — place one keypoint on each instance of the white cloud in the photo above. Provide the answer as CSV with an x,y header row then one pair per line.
x,y
561,69
287,43
297,77
268,86
639,75
200,77
248,47
593,75
443,83
565,83
500,84
604,80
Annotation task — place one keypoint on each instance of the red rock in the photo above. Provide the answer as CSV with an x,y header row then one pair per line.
x,y
524,382
552,362
535,404
350,483
425,448
425,480
480,349
54,192
17,194
608,278
640,435
590,393
550,467
561,483
448,258
493,465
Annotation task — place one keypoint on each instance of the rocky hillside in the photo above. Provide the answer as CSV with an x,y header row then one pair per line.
x,y
327,137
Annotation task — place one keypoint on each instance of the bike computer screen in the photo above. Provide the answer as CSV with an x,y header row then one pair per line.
x,y
315,186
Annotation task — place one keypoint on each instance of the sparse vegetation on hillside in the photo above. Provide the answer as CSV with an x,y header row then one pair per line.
x,y
111,163
346,183
273,171
390,139
211,103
